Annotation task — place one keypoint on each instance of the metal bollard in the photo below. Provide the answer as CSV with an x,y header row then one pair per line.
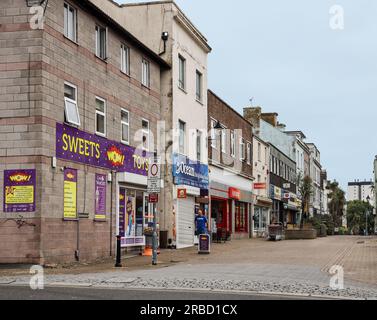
x,y
119,253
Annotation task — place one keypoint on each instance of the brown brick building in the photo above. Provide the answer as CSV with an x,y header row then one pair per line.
x,y
77,98
231,169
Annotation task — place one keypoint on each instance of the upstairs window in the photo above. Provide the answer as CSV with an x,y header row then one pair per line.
x,y
145,75
182,137
100,117
249,155
72,114
198,145
182,73
101,42
146,134
232,143
125,59
242,150
70,22
125,122
199,86
213,133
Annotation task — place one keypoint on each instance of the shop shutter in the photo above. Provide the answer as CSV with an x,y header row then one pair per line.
x,y
186,222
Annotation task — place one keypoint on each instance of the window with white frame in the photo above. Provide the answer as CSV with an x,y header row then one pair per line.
x,y
71,110
259,152
182,73
199,86
198,145
145,75
249,155
242,149
232,143
101,42
125,59
182,136
100,116
70,22
223,140
213,133
125,122
146,134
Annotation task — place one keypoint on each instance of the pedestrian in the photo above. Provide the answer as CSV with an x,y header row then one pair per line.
x,y
201,223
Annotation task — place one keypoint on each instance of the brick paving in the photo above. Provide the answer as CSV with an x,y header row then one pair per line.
x,y
298,267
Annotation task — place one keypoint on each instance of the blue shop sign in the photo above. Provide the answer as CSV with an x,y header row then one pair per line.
x,y
190,173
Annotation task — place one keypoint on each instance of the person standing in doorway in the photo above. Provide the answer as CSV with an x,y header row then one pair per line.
x,y
201,223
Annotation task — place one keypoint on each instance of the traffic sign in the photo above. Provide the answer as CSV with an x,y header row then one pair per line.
x,y
154,177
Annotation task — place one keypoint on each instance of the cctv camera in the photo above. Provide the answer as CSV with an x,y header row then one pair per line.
x,y
165,36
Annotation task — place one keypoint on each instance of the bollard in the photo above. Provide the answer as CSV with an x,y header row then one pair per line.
x,y
119,253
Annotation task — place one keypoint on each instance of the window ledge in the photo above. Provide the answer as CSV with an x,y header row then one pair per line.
x,y
103,135
70,40
105,60
182,89
200,102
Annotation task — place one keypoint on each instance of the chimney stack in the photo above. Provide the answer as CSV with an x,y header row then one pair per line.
x,y
253,115
271,118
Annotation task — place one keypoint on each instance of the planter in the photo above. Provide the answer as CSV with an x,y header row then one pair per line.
x,y
308,234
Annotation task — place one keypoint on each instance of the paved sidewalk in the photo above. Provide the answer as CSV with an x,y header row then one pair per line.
x,y
297,267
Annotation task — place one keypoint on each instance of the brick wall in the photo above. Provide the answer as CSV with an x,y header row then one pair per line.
x,y
34,64
220,111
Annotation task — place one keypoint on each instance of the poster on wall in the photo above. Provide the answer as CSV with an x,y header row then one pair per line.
x,y
127,220
70,194
19,190
100,197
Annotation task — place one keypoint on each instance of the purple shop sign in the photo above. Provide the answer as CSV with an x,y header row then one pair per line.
x,y
19,190
122,212
82,147
100,196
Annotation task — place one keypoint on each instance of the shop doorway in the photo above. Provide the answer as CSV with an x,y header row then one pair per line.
x,y
219,212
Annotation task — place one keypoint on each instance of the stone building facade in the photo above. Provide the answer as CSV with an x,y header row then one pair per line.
x,y
74,58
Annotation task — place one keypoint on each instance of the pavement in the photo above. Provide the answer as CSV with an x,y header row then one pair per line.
x,y
254,267
67,294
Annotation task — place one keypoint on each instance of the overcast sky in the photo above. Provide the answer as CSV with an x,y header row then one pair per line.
x,y
284,54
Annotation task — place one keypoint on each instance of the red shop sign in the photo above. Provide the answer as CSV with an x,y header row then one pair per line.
x,y
260,186
153,198
182,194
234,194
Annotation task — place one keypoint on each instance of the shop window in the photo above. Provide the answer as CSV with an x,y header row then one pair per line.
x,y
72,115
241,217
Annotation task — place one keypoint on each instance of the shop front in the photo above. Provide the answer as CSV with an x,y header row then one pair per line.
x,y
262,216
230,210
191,183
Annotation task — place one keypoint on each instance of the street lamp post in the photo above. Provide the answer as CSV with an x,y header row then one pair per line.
x,y
366,218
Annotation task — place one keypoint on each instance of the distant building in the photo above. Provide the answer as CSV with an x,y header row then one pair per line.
x,y
316,206
361,190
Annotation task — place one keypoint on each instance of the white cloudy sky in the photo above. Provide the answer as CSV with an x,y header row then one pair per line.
x,y
285,54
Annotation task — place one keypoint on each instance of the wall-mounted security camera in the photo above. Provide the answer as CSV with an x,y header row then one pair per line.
x,y
165,38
